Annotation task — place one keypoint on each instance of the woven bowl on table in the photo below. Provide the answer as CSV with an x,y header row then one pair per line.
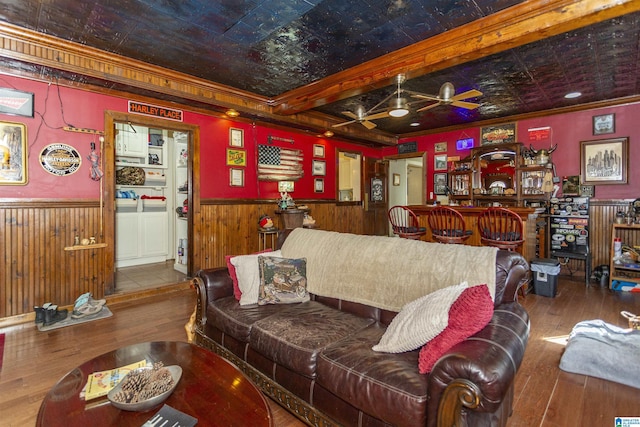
x,y
145,405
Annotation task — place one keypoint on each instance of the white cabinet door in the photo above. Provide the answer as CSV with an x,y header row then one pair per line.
x,y
126,235
132,141
154,239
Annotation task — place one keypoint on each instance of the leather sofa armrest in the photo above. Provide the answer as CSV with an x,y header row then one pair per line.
x,y
477,374
217,282
512,270
211,284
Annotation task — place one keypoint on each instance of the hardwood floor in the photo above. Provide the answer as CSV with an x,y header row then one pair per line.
x,y
544,395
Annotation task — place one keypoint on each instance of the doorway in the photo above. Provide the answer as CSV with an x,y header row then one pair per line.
x,y
407,180
149,179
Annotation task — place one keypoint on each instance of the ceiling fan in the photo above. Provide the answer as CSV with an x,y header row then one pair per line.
x,y
399,106
447,96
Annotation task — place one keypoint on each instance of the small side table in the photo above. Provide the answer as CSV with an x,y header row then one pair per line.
x,y
263,237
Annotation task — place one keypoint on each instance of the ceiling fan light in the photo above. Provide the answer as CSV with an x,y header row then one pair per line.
x,y
399,107
446,91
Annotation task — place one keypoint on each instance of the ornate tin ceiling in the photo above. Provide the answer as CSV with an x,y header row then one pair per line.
x,y
272,47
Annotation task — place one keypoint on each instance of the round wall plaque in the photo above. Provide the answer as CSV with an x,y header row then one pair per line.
x,y
60,159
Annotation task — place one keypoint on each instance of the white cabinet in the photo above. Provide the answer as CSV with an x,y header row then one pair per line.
x,y
141,238
131,141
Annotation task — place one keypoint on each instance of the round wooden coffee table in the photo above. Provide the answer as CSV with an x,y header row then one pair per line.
x,y
211,390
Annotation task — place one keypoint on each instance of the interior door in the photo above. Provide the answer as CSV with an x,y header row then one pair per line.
x,y
375,178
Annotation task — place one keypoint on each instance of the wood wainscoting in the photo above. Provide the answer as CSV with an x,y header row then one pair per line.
x,y
35,233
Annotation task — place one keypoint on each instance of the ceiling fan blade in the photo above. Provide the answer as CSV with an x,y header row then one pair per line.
x,y
343,124
465,104
350,115
428,107
425,96
381,115
369,125
468,94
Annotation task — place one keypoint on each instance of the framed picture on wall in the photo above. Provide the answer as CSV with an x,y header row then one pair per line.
x,y
318,150
236,177
236,137
396,179
319,167
603,124
440,147
318,185
440,183
604,161
440,162
236,157
13,154
16,102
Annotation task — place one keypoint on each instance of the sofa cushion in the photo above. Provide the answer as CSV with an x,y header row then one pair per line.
x,y
469,314
296,334
230,317
248,273
420,321
387,386
282,280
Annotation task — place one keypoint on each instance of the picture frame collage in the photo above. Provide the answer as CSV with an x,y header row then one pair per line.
x,y
318,167
236,157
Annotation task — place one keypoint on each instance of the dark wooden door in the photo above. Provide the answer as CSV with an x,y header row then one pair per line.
x,y
375,196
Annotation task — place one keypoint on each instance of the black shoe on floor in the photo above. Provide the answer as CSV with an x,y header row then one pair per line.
x,y
53,315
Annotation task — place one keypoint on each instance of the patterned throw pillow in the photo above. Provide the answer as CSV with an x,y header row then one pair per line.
x,y
282,280
468,315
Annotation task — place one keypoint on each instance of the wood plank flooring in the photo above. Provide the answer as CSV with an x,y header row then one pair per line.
x,y
544,395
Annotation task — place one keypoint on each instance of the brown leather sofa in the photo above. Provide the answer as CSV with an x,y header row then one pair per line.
x,y
320,365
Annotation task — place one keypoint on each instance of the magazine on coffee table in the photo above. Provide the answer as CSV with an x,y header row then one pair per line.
x,y
100,383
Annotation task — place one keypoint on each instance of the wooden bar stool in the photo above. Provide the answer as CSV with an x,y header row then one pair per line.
x,y
448,226
405,223
501,228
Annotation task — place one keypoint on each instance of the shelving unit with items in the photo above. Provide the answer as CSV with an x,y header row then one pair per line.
x,y
624,267
181,242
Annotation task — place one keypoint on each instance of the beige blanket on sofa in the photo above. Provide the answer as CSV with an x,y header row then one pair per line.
x,y
386,272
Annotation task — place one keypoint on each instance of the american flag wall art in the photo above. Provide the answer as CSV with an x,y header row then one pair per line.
x,y
279,164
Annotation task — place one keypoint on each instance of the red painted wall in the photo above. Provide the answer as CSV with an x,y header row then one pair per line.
x,y
567,130
56,107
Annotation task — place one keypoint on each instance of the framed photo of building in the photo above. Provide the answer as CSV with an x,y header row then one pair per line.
x,y
440,162
440,183
13,153
604,161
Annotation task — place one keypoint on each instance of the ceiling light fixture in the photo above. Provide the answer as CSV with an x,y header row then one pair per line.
x,y
572,95
232,113
399,106
328,133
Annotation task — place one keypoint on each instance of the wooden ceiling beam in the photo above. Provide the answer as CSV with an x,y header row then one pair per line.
x,y
30,47
524,23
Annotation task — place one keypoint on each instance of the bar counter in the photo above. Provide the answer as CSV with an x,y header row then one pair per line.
x,y
470,215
